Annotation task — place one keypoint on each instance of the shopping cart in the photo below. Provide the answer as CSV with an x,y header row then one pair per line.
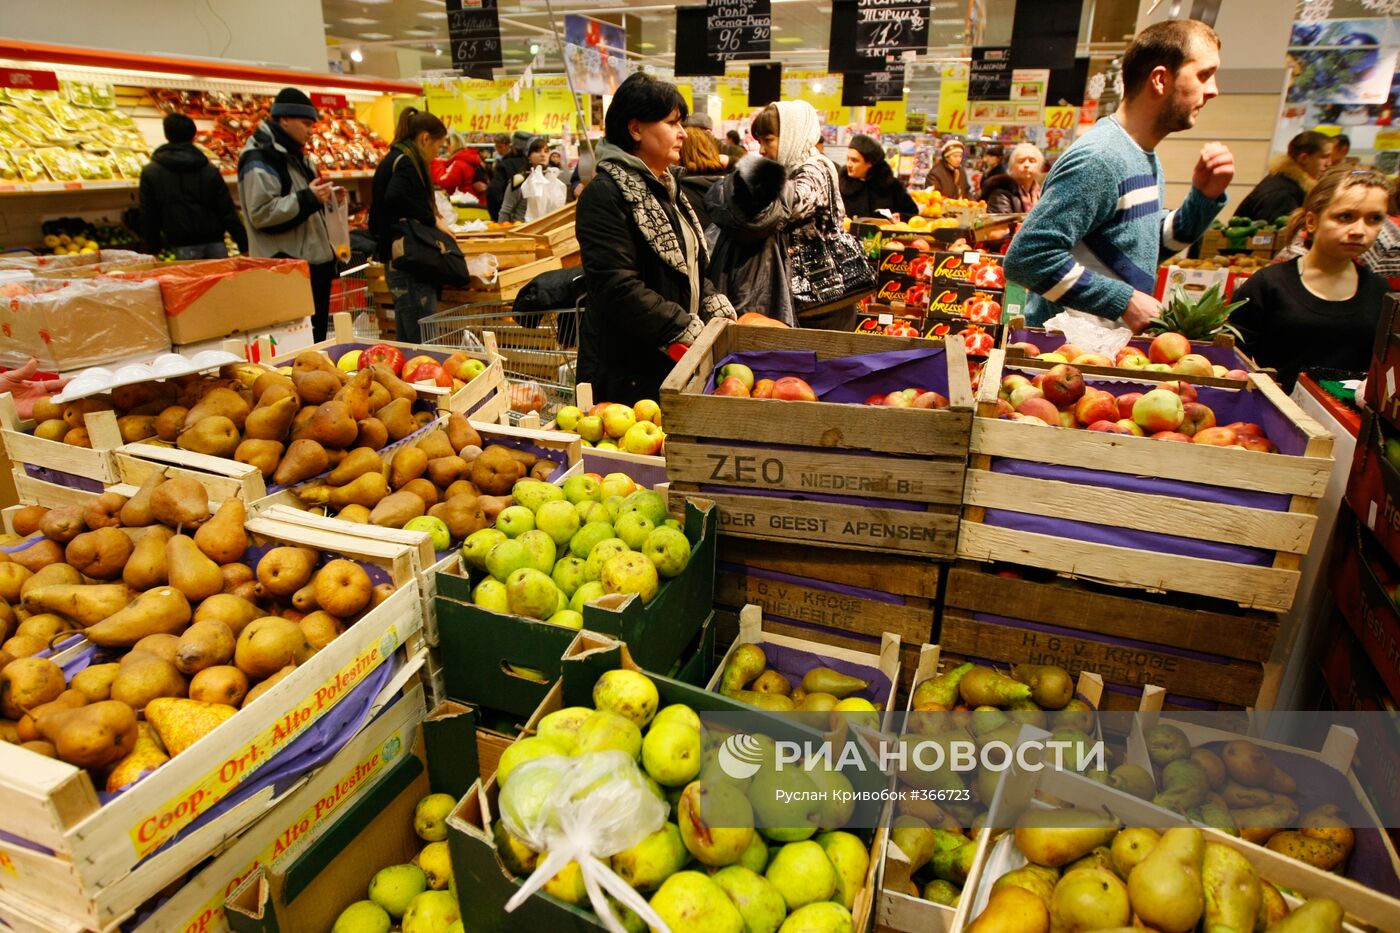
x,y
350,291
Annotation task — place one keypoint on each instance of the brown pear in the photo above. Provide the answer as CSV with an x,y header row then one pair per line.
x,y
78,437
234,612
215,435
180,502
146,568
495,472
251,591
223,683
137,511
397,510
460,432
284,570
28,683
543,470
408,464
423,489
444,471
38,554
372,434
436,444
271,423
23,646
265,455
357,463
28,519
462,515
136,428
161,610
463,487
266,685
304,599
303,417
55,574
146,678
316,388
77,410
170,422
27,727
181,723
269,379
221,402
45,627
305,458
145,756
223,539
85,605
190,571
204,644
398,419
235,574
355,395
12,577
163,645
268,645
367,490
276,393
104,511
320,629
99,554
54,430
331,426
92,736
398,389
95,681
46,408
63,525
358,514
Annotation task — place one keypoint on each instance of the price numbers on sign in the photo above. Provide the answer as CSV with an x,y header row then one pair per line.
x,y
1061,118
475,32
738,29
889,26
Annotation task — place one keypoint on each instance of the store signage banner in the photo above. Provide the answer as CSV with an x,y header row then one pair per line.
x,y
736,30
475,33
765,84
952,106
990,77
863,32
864,88
595,54
329,101
27,79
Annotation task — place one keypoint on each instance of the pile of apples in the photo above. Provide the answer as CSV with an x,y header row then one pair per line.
x,y
613,426
1168,353
419,896
188,630
1171,412
909,398
764,852
736,379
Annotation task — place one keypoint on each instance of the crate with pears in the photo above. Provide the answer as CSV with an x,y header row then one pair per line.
x,y
619,753
162,660
1099,858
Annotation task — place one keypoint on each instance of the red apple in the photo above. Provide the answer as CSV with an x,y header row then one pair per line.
x,y
1039,381
1010,383
1091,359
1261,444
455,361
1131,426
1126,402
1193,364
427,370
763,388
1039,408
877,399
1216,437
1063,385
1127,353
1171,436
1004,409
1239,374
930,400
1159,410
1197,418
904,398
1096,405
1186,390
1109,427
1246,429
792,389
1067,419
1168,348
599,408
1069,351
1027,349
733,386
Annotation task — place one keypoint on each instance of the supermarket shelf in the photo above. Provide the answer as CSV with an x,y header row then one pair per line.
x,y
50,187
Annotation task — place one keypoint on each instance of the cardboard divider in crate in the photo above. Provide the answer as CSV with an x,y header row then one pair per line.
x,y
837,471
308,887
96,857
1365,582
1201,651
484,885
1022,789
1323,777
845,598
1147,513
483,651
55,461
1221,351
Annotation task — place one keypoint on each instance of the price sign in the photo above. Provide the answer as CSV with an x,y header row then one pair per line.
x,y
329,101
738,29
990,77
864,88
475,34
862,30
27,79
952,106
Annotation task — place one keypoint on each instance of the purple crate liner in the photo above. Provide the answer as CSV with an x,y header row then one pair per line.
x,y
60,478
794,663
1151,485
848,379
811,583
1136,693
1128,538
1049,341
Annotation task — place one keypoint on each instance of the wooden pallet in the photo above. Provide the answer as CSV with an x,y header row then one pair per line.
x,y
1288,534
511,250
776,451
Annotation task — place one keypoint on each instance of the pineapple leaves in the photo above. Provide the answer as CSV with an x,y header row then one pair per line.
x,y
1199,319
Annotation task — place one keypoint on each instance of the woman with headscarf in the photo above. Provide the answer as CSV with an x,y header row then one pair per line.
x,y
947,174
755,210
1016,190
868,185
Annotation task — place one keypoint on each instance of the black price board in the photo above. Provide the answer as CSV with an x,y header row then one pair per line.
x,y
765,84
863,32
989,77
861,89
475,34
1045,34
736,30
692,56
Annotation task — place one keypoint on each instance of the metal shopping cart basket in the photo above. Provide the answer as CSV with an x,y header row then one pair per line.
x,y
536,335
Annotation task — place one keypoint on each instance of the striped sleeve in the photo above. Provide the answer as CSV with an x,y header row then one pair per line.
x,y
1189,222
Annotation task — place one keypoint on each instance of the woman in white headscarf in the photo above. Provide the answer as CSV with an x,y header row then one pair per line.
x,y
755,209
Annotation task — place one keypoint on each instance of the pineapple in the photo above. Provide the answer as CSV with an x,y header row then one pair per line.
x,y
1201,319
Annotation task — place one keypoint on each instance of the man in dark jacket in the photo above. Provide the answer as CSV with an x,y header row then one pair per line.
x,y
506,168
1291,176
185,203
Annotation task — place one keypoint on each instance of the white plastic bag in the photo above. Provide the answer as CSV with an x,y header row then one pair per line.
x,y
583,810
544,193
1090,333
338,227
443,205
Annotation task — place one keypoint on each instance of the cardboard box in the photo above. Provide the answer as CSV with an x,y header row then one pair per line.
x,y
219,297
72,325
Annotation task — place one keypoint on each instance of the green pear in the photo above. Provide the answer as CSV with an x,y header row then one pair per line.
x,y
755,857
690,902
1036,879
1076,715
601,553
541,549
851,859
1057,837
786,807
492,594
583,541
362,917
1090,899
1318,915
825,917
395,887
1130,847
1233,893
983,686
671,753
650,862
716,822
803,874
479,544
679,712
606,730
533,493
562,726
1166,887
586,594
759,902
1133,779
568,575
627,693
946,893
915,839
431,912
559,520
647,502
1166,743
839,804
523,750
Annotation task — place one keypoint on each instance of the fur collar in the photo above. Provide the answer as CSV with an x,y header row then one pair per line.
x,y
651,218
1283,165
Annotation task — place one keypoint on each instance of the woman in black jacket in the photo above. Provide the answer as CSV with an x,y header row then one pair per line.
x,y
642,247
868,184
403,191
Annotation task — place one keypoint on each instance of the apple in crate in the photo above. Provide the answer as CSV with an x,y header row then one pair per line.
x,y
1186,390
1126,402
1246,429
1038,407
1171,436
1168,348
568,418
793,389
1023,392
1063,385
1027,349
1109,427
1216,437
1130,358
1197,418
590,428
1069,351
763,388
1253,442
470,368
1011,383
930,400
732,386
1158,410
904,398
647,410
1193,364
739,371
1131,426
1239,374
644,438
618,420
1091,359
1096,405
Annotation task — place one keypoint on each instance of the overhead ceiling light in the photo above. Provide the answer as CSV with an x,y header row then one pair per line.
x,y
371,2
437,50
375,36
356,55
534,48
906,89
817,87
788,39
420,32
646,45
359,21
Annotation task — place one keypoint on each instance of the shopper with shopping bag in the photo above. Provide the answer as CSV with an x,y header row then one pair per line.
x,y
515,205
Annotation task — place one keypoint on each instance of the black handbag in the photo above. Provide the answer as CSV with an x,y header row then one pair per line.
x,y
826,266
429,255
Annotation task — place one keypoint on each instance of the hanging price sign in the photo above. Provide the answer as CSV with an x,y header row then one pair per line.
x,y
475,33
738,29
862,30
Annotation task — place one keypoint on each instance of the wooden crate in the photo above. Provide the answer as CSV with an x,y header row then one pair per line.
x,y
1261,245
511,250
95,863
798,588
555,229
757,458
508,283
56,459
1207,650
1287,534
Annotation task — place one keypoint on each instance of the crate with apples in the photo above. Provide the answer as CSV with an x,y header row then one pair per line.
x,y
611,428
1203,652
194,657
1169,356
1219,501
653,737
846,440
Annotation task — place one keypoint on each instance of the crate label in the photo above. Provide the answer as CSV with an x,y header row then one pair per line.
x,y
182,810
818,607
1116,664
849,529
747,470
300,833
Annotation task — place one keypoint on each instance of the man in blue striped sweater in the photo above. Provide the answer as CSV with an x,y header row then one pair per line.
x,y
1094,240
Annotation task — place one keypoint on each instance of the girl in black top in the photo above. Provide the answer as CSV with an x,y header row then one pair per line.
x,y
1320,310
403,190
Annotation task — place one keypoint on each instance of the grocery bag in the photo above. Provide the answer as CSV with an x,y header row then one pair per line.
x,y
544,193
338,227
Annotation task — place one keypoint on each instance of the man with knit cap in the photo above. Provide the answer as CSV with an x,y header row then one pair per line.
x,y
506,168
284,199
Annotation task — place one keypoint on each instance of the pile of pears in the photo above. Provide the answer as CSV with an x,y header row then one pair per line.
x,y
419,896
292,423
707,869
442,483
1086,873
1242,791
560,547
748,679
187,629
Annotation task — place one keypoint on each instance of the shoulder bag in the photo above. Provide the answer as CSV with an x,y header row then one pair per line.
x,y
826,266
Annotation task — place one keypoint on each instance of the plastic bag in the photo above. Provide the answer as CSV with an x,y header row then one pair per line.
x,y
583,810
484,266
544,193
443,205
1090,333
338,227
